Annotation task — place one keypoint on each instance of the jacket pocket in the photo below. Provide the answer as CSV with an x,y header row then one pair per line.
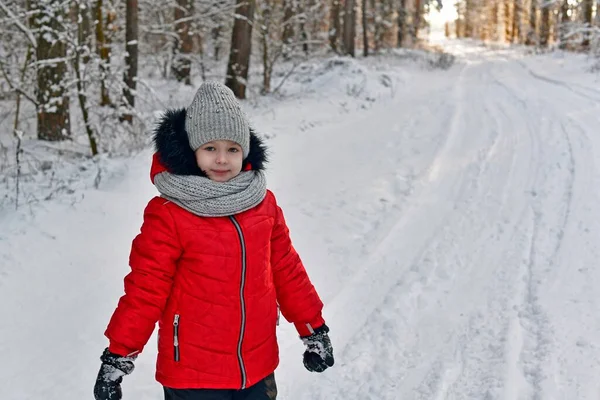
x,y
176,337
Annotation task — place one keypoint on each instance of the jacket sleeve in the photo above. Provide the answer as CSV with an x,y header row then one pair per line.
x,y
154,254
297,297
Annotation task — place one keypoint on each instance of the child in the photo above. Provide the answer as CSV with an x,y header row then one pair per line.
x,y
212,264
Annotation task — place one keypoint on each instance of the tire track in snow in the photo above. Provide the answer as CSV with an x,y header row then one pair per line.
x,y
486,337
565,85
391,266
548,233
375,272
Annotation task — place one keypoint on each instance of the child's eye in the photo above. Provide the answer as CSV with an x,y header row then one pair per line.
x,y
234,150
209,148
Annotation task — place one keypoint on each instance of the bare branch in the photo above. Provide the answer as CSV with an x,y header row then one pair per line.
x,y
14,87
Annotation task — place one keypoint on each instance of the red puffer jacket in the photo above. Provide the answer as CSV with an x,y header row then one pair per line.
x,y
213,284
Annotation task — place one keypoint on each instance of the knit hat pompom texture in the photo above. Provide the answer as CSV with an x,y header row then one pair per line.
x,y
215,114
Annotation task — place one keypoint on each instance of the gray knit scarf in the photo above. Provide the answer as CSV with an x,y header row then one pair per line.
x,y
207,198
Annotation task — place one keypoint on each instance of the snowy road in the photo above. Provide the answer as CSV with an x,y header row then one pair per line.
x,y
453,233
481,286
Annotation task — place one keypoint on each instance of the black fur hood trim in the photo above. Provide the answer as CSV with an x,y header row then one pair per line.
x,y
174,151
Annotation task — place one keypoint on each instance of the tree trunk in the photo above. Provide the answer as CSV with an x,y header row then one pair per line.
x,y
349,27
545,25
564,21
241,46
532,33
289,10
416,21
103,52
365,26
264,35
335,28
85,31
82,27
53,100
378,16
461,18
182,62
587,18
131,58
216,35
494,21
516,22
507,20
302,26
401,23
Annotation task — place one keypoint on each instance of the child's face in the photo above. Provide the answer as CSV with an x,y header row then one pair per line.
x,y
221,160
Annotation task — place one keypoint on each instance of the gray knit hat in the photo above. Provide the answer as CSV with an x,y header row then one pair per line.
x,y
215,114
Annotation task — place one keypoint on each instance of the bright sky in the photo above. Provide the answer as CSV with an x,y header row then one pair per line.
x,y
448,13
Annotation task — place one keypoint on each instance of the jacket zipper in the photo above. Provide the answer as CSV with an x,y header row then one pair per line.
x,y
242,302
176,337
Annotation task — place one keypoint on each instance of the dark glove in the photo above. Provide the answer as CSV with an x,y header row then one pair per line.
x,y
319,353
108,383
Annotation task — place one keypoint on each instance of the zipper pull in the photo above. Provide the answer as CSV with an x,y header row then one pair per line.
x,y
176,337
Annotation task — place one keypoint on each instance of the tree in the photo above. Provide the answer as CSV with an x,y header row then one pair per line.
x,y
365,27
401,23
469,12
349,27
81,52
334,29
517,27
103,49
52,97
182,63
241,46
532,33
289,7
131,58
588,6
546,8
266,18
418,11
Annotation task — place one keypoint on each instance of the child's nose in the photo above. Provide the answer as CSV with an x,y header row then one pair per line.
x,y
221,158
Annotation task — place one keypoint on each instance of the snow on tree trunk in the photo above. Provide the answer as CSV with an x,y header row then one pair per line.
x,y
182,63
241,46
53,100
131,58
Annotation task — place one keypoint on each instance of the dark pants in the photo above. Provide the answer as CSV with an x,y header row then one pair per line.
x,y
263,390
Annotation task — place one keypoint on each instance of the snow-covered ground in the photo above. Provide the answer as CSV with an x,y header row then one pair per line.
x,y
448,218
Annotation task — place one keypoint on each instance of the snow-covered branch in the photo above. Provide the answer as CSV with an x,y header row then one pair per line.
x,y
19,24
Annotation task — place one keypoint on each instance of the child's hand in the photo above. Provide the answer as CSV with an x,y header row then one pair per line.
x,y
110,376
319,352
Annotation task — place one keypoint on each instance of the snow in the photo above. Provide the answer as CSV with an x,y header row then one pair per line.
x,y
450,225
